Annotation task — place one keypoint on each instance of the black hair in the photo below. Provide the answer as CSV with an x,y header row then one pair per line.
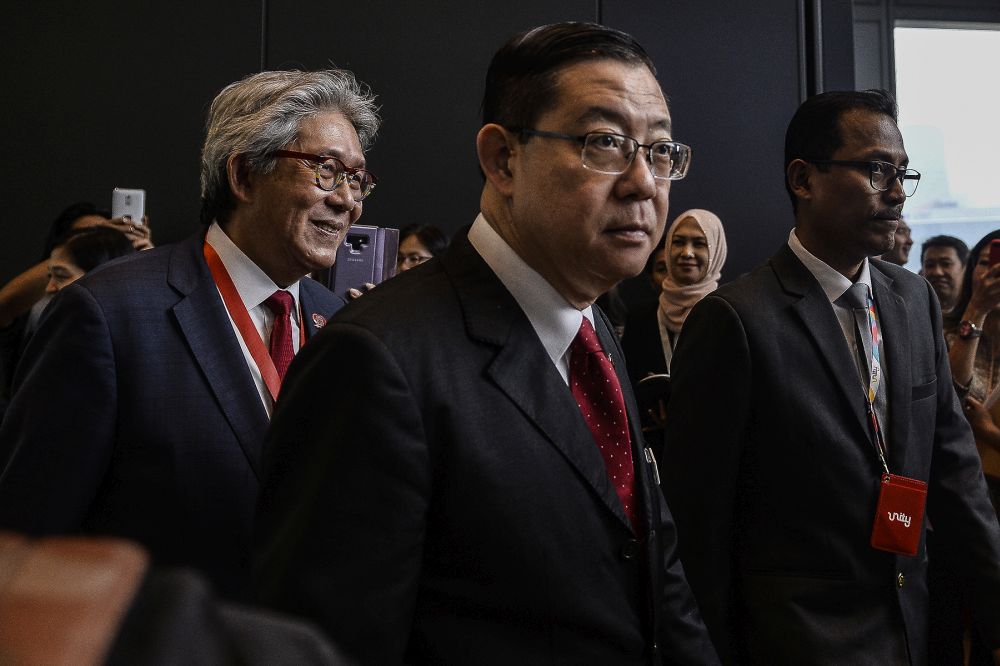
x,y
970,265
961,249
91,247
651,259
435,240
64,222
814,131
520,81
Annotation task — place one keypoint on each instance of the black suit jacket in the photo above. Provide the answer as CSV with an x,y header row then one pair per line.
x,y
135,414
772,474
434,495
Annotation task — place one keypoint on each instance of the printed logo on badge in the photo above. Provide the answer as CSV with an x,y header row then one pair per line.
x,y
319,320
899,517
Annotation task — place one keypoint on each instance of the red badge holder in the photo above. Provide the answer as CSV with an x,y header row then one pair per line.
x,y
899,517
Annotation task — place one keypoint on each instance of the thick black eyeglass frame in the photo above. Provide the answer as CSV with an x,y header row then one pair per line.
x,y
902,174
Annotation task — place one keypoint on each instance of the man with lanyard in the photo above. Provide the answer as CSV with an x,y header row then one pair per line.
x,y
141,406
813,431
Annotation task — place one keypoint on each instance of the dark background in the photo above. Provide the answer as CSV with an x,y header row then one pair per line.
x,y
104,94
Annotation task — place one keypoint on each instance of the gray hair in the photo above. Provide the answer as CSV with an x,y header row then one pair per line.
x,y
262,113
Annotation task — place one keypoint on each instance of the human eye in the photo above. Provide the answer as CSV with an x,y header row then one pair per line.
x,y
606,141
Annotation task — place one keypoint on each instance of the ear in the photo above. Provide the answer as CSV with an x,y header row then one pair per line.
x,y
238,174
497,148
798,175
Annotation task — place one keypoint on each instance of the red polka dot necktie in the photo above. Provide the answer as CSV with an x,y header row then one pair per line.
x,y
280,303
595,386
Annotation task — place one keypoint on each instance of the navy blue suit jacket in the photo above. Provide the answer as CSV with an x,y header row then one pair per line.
x,y
135,414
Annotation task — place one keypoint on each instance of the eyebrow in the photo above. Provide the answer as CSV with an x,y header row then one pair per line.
x,y
606,113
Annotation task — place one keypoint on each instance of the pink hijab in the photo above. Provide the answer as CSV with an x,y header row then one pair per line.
x,y
677,300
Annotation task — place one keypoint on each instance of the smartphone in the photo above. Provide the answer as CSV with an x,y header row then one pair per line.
x,y
128,202
995,252
368,254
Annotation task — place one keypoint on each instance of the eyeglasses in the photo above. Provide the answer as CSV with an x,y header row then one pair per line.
x,y
882,175
610,153
331,173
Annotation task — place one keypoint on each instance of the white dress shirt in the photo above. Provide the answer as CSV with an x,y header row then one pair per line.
x,y
555,321
254,287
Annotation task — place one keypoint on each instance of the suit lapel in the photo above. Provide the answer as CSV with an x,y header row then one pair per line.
x,y
814,309
891,312
522,370
312,318
205,325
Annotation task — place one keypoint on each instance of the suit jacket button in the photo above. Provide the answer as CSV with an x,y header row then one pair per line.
x,y
630,549
900,579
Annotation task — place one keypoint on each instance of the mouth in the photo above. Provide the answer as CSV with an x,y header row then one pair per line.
x,y
630,232
329,227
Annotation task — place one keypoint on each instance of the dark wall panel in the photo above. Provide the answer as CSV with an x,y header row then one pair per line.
x,y
427,63
731,71
103,94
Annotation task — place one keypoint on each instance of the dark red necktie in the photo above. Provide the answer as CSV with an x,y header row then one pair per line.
x,y
280,303
595,386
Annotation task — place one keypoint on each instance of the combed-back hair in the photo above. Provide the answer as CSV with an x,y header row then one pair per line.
x,y
520,82
814,131
434,239
262,113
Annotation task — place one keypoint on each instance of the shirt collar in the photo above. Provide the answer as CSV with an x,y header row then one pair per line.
x,y
555,321
252,283
834,284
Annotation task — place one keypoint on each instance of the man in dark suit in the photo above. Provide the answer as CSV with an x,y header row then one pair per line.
x,y
773,466
142,403
433,492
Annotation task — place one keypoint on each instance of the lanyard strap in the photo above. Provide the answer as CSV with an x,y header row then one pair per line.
x,y
241,317
874,379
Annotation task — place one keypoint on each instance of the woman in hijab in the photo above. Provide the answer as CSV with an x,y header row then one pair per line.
x,y
695,251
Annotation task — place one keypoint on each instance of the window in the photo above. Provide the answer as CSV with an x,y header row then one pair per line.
x,y
949,114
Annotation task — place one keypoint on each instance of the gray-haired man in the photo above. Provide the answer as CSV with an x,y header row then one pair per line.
x,y
141,404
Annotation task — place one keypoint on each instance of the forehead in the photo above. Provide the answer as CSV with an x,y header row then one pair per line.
x,y
610,92
867,134
939,252
330,133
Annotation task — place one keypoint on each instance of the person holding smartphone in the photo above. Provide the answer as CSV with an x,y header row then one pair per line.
x,y
973,335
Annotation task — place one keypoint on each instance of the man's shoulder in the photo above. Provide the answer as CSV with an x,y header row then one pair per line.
x,y
148,268
421,297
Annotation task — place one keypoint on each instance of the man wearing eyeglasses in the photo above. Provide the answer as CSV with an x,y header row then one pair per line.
x,y
143,401
458,488
802,511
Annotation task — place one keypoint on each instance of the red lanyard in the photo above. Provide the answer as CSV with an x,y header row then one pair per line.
x,y
238,311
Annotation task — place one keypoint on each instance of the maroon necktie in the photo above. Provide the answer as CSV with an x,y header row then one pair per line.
x,y
280,303
595,386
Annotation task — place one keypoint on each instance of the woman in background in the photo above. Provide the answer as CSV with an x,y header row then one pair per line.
x,y
417,244
695,252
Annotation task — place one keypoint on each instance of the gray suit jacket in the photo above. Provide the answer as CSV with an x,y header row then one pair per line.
x,y
772,475
135,415
434,495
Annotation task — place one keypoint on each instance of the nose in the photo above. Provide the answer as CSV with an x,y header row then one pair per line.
x,y
341,198
895,193
51,287
637,180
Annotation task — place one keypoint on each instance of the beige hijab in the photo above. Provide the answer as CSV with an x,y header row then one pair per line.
x,y
677,300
